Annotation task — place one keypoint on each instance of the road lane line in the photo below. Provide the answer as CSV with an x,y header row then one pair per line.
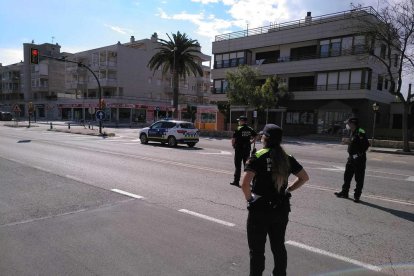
x,y
42,169
74,178
333,255
207,217
411,178
127,194
393,200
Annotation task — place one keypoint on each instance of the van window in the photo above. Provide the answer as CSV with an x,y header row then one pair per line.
x,y
187,125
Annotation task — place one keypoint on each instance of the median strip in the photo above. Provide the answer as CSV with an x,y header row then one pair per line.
x,y
206,217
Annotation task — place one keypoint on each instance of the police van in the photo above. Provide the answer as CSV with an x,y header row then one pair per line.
x,y
170,132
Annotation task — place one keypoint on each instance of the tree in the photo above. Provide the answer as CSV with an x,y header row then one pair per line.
x,y
241,85
272,93
393,28
243,88
177,56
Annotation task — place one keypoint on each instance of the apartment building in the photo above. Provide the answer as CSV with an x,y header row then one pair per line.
x,y
22,83
323,60
131,91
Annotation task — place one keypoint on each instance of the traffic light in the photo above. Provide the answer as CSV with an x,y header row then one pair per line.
x,y
34,56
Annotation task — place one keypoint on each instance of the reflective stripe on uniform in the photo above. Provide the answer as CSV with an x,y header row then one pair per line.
x,y
261,152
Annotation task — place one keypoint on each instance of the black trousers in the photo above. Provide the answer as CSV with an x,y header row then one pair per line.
x,y
259,225
355,167
240,155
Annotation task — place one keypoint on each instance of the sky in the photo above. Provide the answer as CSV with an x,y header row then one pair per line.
x,y
79,25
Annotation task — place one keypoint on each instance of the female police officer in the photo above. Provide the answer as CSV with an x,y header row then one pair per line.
x,y
268,199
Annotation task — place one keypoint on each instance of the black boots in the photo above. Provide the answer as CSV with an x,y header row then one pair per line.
x,y
234,183
342,194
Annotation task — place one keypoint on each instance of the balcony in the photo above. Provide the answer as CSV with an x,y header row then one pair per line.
x,y
299,23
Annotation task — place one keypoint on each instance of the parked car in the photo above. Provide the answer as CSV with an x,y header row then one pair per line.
x,y
5,116
170,132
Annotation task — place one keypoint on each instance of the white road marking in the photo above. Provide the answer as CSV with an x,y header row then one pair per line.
x,y
411,178
74,178
127,193
207,217
333,255
42,169
321,188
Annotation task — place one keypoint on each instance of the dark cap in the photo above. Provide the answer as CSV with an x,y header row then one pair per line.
x,y
352,120
273,132
242,118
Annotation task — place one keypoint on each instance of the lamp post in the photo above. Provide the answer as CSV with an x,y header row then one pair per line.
x,y
375,108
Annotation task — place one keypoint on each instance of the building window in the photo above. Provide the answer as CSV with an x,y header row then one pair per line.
x,y
343,82
218,62
324,48
335,47
383,50
268,57
346,47
386,84
396,60
380,82
359,44
356,78
299,118
321,81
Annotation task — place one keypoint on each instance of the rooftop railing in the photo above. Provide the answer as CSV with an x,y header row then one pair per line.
x,y
308,21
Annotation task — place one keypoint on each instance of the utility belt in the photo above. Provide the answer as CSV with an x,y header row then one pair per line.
x,y
267,204
356,156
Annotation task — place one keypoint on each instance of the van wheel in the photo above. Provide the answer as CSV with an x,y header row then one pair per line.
x,y
143,138
172,142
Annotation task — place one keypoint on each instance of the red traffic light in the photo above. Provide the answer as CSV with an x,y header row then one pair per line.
x,y
34,56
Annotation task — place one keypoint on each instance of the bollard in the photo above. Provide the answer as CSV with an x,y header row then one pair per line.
x,y
51,126
68,125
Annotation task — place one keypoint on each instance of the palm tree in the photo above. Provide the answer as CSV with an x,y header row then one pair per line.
x,y
177,56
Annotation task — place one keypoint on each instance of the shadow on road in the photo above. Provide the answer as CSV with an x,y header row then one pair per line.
x,y
401,214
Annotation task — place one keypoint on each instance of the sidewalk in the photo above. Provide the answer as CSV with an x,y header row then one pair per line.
x,y
391,151
67,127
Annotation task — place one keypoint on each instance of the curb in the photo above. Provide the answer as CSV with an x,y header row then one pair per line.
x,y
400,152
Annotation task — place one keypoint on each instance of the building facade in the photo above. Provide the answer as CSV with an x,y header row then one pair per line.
x,y
324,61
61,89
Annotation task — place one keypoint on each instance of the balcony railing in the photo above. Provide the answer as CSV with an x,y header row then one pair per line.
x,y
299,23
331,87
306,88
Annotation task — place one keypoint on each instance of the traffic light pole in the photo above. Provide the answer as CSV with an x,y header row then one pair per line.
x,y
80,64
100,91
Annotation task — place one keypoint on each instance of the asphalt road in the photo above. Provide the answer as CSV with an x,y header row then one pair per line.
x,y
62,211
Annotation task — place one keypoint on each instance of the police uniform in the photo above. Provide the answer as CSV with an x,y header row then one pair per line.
x,y
242,146
356,163
268,213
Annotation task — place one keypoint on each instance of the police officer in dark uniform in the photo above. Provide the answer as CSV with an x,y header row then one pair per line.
x,y
268,199
357,148
243,137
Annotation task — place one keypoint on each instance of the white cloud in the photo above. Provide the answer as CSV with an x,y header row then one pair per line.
x,y
120,30
10,56
207,26
205,2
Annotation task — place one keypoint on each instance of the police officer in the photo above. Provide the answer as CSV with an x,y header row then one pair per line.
x,y
357,148
268,199
243,137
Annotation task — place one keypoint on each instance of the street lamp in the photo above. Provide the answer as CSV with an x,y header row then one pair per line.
x,y
375,108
